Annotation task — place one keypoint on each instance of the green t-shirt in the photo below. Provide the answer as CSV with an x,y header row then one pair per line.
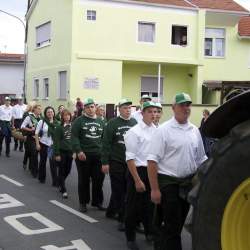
x,y
113,141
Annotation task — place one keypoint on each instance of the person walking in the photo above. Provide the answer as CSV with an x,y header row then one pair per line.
x,y
114,160
28,127
63,150
18,111
175,153
6,123
44,140
138,204
87,133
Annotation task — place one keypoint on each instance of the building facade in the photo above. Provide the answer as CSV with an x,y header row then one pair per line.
x,y
126,48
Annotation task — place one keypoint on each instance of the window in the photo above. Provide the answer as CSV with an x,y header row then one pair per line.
x,y
215,42
43,36
36,88
46,88
179,35
146,32
91,15
149,86
62,85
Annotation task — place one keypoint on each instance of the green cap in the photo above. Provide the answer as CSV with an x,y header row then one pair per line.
x,y
148,105
158,105
146,97
88,101
182,98
124,102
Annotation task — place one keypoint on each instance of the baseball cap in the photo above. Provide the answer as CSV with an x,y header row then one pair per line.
x,y
148,105
124,101
7,98
146,97
182,98
158,105
89,101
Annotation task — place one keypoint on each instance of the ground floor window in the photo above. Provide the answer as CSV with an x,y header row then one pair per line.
x,y
149,86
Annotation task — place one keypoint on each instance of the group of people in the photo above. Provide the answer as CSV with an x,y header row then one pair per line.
x,y
151,166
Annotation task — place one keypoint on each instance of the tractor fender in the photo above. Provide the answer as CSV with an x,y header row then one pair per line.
x,y
228,115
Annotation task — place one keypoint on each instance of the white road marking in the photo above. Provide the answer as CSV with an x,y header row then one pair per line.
x,y
7,201
77,245
73,211
11,180
50,225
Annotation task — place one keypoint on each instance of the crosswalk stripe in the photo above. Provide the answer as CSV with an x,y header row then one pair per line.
x,y
11,180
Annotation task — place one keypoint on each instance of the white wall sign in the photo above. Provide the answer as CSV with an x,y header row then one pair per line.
x,y
77,245
91,83
7,201
50,226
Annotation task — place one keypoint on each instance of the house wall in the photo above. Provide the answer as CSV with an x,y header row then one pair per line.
x,y
11,80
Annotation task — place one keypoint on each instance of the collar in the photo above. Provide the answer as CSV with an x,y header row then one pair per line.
x,y
185,126
124,118
143,125
65,124
94,117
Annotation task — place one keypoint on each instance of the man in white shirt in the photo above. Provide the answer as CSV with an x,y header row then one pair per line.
x,y
18,111
137,115
176,152
5,125
138,204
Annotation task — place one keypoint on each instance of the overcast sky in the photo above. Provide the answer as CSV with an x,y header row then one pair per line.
x,y
12,31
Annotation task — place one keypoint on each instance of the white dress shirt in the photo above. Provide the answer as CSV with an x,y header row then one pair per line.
x,y
177,149
45,139
137,115
5,113
18,111
137,141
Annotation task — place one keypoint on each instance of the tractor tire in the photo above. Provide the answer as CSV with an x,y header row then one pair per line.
x,y
218,179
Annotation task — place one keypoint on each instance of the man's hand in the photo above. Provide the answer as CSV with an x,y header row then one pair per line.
x,y
58,158
156,196
81,156
140,187
105,169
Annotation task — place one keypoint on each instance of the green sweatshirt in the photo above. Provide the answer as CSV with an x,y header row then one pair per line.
x,y
62,139
87,135
113,141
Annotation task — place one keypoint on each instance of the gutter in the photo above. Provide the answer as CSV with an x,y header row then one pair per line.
x,y
30,10
243,37
240,13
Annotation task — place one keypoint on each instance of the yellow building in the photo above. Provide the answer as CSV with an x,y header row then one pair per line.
x,y
109,49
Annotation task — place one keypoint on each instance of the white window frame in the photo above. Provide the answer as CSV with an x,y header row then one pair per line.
x,y
91,15
214,43
45,94
59,86
137,33
188,40
36,89
150,92
45,42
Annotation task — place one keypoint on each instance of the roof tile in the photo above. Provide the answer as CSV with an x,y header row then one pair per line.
x,y
244,26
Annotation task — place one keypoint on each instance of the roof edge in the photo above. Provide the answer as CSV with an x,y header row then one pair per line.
x,y
246,13
30,10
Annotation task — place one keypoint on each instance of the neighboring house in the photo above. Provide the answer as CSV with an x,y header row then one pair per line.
x,y
11,75
109,49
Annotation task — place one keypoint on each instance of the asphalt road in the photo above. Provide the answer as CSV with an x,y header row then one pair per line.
x,y
34,216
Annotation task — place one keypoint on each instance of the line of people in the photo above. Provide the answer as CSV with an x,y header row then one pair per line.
x,y
150,166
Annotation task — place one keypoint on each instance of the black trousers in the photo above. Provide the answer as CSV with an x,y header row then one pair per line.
x,y
173,210
91,168
138,206
17,125
5,136
31,154
42,166
64,168
118,178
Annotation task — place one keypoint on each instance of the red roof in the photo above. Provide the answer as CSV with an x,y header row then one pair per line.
x,y
11,57
244,26
179,3
227,5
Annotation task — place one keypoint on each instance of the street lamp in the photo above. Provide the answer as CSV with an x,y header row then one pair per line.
x,y
24,59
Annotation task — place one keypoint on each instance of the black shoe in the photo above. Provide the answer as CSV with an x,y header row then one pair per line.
x,y
121,227
65,195
139,229
20,149
24,166
149,238
83,208
8,155
132,245
99,207
41,181
111,215
15,148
